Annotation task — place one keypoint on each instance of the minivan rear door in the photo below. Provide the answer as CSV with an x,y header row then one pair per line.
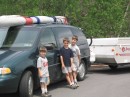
x,y
60,33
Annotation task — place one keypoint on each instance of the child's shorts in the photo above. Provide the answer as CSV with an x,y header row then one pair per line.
x,y
75,67
67,70
45,80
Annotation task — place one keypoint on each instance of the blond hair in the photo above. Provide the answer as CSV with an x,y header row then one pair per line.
x,y
66,39
75,37
42,48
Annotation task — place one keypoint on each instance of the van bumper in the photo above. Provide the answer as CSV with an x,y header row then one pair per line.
x,y
8,83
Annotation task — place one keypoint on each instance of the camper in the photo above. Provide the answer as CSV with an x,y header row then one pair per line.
x,y
110,51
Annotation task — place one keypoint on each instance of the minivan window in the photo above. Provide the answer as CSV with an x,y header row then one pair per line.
x,y
3,32
81,36
19,37
47,37
61,33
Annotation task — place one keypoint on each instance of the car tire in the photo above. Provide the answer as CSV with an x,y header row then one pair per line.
x,y
82,71
113,67
26,85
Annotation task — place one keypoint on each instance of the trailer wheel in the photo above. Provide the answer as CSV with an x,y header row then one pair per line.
x,y
82,71
113,67
26,85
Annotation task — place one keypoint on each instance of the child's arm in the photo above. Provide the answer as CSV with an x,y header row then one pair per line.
x,y
62,62
78,50
79,58
71,60
61,58
48,80
39,67
71,57
39,72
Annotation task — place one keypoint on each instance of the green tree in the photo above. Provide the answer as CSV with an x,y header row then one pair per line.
x,y
98,18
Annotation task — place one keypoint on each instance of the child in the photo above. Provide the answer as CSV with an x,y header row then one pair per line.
x,y
42,65
66,56
76,59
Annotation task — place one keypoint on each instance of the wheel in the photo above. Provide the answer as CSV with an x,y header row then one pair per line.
x,y
26,85
82,71
113,67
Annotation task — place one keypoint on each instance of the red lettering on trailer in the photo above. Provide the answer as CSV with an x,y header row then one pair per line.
x,y
125,54
128,49
125,49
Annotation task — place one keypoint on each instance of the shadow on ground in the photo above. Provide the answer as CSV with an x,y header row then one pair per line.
x,y
63,84
9,95
37,92
107,70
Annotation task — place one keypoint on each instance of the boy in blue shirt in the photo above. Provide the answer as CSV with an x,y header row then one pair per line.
x,y
66,56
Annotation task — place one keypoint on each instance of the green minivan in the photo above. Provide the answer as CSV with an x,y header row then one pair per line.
x,y
19,52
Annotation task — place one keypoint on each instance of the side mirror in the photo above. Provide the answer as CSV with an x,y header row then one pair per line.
x,y
91,41
50,46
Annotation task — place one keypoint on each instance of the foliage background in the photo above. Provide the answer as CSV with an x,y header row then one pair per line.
x,y
98,18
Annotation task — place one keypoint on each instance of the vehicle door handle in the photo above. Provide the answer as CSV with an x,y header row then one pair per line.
x,y
37,56
58,55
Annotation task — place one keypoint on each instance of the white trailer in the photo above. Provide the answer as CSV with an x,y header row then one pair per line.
x,y
111,51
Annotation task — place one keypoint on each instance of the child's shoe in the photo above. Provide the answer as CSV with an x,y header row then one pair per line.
x,y
48,95
72,86
76,84
44,95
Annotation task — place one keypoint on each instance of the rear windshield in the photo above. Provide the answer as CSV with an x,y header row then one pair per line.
x,y
17,37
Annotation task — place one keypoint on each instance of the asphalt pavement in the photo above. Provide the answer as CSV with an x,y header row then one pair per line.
x,y
99,82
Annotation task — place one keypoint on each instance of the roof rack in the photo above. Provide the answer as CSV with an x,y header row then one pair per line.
x,y
15,20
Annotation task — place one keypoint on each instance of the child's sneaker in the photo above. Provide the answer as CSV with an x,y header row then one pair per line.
x,y
76,84
44,95
48,95
73,86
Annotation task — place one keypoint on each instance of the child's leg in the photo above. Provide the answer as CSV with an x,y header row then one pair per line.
x,y
68,78
46,88
47,81
75,76
65,71
69,69
42,87
74,73
71,77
